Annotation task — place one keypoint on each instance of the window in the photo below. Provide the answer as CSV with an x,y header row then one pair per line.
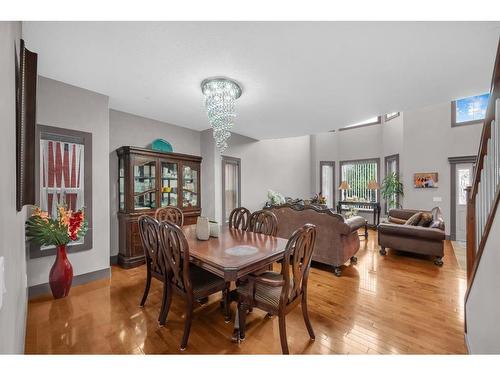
x,y
471,110
391,166
327,181
358,173
390,116
231,191
371,121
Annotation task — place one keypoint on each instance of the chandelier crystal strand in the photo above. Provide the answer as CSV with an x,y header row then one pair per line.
x,y
220,96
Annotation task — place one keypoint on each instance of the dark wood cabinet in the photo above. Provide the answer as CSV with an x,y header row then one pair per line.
x,y
148,180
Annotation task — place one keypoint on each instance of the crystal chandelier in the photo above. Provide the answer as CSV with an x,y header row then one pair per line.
x,y
220,95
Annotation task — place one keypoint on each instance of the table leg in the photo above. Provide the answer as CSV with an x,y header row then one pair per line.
x,y
366,230
236,328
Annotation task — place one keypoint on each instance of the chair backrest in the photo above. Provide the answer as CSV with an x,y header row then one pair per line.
x,y
174,249
263,221
148,231
170,213
238,218
297,262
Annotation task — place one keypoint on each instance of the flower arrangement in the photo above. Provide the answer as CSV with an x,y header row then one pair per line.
x,y
47,231
353,211
275,198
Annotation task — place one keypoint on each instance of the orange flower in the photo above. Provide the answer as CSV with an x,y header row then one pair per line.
x,y
64,216
44,215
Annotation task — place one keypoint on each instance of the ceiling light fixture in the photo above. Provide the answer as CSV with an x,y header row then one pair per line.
x,y
220,96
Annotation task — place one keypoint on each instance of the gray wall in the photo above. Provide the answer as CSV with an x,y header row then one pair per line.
x,y
367,142
126,129
12,245
428,142
71,107
282,165
483,306
424,140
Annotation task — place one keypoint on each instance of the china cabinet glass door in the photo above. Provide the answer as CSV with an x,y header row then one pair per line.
x,y
190,186
169,184
144,184
121,183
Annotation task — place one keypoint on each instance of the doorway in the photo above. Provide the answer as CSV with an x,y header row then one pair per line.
x,y
327,182
462,174
231,185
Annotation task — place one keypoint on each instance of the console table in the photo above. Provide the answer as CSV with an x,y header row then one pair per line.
x,y
375,206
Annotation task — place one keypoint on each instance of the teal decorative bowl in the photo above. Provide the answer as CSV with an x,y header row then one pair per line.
x,y
161,145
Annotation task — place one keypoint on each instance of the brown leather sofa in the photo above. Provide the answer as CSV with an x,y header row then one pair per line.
x,y
416,239
337,239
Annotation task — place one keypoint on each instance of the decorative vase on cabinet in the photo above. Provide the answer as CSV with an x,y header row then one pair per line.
x,y
149,180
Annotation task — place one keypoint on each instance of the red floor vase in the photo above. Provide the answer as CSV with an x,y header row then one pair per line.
x,y
61,274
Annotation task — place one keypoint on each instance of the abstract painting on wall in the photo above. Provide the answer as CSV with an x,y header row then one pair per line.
x,y
425,180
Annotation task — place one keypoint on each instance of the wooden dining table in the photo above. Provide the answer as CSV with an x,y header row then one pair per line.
x,y
234,254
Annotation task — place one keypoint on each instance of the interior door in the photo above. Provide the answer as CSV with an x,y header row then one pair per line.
x,y
463,178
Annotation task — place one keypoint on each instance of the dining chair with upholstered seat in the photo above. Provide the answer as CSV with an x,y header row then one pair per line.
x,y
170,213
189,281
263,221
278,293
148,231
238,218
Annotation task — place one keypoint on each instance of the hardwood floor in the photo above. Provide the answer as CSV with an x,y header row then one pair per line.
x,y
399,303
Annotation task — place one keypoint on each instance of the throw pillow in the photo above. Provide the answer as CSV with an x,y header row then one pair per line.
x,y
438,224
396,220
425,219
414,219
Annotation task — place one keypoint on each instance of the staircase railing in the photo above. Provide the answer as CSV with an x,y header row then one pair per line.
x,y
483,196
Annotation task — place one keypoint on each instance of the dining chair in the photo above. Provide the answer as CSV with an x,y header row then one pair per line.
x,y
189,281
148,231
278,293
263,221
238,218
170,213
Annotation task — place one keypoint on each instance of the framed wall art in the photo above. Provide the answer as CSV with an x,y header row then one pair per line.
x,y
26,83
63,177
425,180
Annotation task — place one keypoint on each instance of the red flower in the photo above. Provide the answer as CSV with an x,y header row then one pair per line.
x,y
75,224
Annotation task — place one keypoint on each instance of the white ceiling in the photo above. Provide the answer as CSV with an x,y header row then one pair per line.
x,y
298,77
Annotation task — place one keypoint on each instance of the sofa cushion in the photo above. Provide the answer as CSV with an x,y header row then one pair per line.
x,y
414,219
425,219
410,231
396,220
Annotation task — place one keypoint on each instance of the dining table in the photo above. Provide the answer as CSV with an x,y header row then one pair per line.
x,y
234,254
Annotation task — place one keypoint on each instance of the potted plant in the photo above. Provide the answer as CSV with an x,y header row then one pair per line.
x,y
59,232
391,189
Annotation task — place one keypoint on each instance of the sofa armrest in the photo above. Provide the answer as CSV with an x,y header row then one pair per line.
x,y
411,231
354,223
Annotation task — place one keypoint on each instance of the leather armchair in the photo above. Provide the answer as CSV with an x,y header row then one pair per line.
x,y
415,239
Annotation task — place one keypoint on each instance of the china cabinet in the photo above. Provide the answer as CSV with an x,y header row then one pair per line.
x,y
148,180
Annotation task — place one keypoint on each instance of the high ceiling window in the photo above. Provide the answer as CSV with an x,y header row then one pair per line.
x,y
471,110
391,115
370,121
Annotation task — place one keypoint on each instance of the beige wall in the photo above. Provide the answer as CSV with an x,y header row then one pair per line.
x,y
126,129
71,107
12,242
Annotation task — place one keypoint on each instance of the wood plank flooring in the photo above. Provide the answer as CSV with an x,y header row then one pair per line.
x,y
399,303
